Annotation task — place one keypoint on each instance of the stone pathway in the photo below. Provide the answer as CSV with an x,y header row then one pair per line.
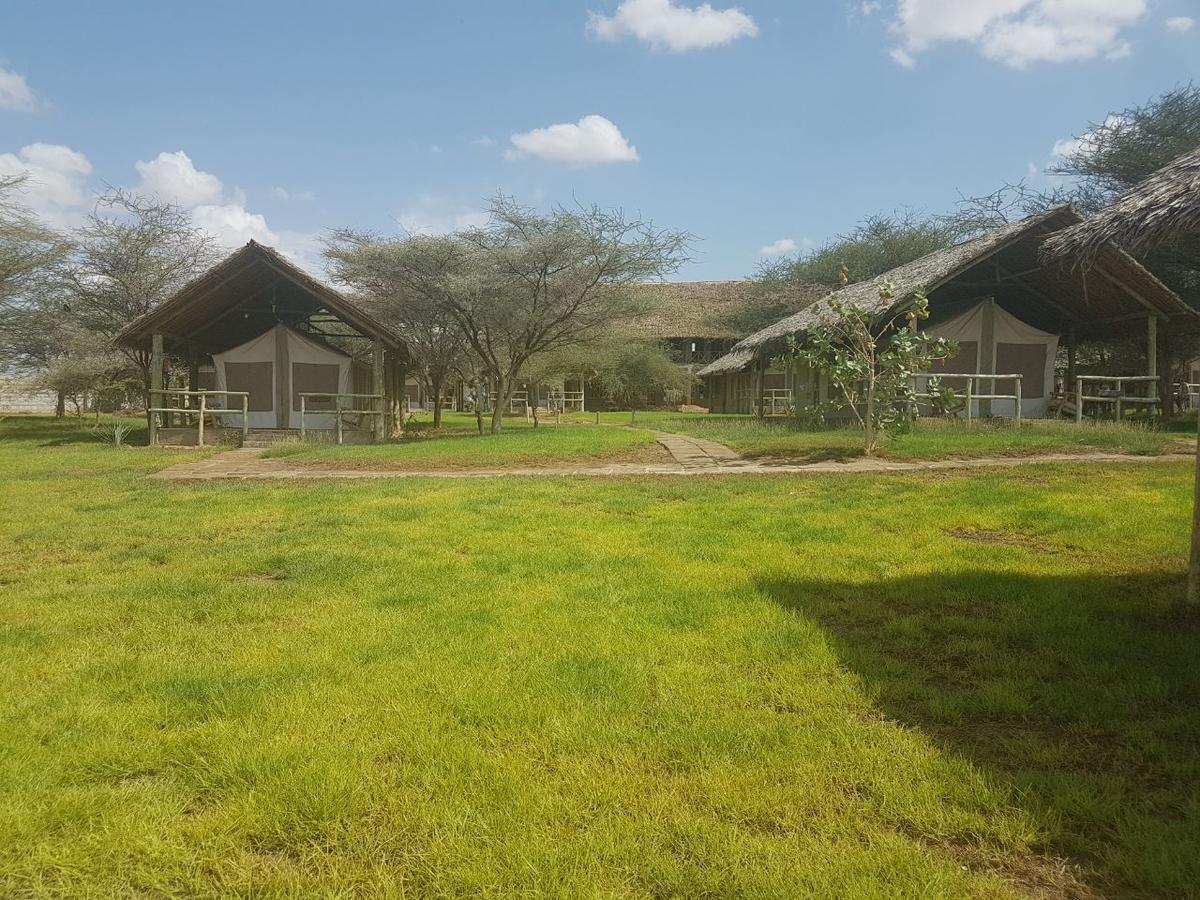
x,y
692,457
696,453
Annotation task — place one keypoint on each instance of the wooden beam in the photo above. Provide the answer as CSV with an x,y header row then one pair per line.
x,y
1112,279
156,383
1151,345
377,374
1045,298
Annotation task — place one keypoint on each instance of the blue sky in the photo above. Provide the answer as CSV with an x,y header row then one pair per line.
x,y
747,125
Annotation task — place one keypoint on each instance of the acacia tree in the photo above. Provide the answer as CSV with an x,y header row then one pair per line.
x,y
871,359
132,254
29,252
375,268
529,283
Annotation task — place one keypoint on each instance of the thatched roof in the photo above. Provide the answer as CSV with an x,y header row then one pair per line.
x,y
243,295
709,309
1162,208
1004,260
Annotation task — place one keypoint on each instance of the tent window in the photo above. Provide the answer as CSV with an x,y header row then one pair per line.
x,y
312,378
258,378
1026,360
965,363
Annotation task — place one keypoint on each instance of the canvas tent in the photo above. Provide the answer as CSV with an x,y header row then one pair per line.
x,y
275,368
1115,299
261,324
991,339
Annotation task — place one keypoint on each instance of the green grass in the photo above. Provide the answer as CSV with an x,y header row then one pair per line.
x,y
929,439
844,686
458,445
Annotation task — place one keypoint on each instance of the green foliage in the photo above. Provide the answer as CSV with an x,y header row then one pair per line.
x,y
1131,144
871,361
879,244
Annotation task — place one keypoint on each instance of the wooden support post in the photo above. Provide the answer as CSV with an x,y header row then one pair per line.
x,y
1018,393
756,405
377,353
1166,392
987,352
200,422
156,383
1078,401
302,415
1152,345
1193,580
970,392
1072,353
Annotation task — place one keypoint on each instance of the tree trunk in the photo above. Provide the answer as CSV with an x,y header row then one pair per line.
x,y
869,422
503,391
60,404
436,383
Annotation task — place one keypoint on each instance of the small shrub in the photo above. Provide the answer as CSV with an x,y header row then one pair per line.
x,y
113,433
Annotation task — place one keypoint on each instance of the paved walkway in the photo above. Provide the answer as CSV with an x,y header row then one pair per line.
x,y
691,457
696,453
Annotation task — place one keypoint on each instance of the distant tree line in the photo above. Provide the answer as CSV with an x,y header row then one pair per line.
x,y
1108,158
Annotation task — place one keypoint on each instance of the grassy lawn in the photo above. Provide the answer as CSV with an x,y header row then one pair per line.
x,y
929,439
938,685
458,445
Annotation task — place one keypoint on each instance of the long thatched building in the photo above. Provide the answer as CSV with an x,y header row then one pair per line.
x,y
1007,307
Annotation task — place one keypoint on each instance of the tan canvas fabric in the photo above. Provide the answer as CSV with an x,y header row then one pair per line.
x,y
966,362
308,378
1026,360
256,377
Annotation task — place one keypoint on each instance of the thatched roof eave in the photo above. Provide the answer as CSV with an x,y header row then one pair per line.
x,y
1164,207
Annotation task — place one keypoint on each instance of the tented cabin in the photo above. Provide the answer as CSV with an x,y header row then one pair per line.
x,y
269,351
1009,312
700,321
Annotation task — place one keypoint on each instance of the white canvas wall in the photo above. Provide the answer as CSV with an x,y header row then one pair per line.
x,y
266,349
1012,340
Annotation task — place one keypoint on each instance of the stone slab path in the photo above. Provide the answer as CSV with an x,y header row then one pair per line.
x,y
696,453
691,457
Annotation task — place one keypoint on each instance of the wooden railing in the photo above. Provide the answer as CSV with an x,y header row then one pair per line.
x,y
338,410
201,410
1115,394
970,395
566,401
777,402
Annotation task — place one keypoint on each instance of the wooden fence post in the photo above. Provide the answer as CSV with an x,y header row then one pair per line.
x,y
200,424
156,383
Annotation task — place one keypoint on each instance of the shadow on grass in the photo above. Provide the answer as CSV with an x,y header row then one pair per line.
x,y
49,432
1080,692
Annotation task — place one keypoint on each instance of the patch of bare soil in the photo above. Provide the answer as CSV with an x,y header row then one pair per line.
x,y
1002,538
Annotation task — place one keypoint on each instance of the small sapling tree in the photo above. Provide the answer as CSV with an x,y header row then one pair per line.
x,y
871,357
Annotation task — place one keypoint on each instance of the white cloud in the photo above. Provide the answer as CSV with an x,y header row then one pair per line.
x,y
664,24
593,139
484,141
781,247
436,215
1180,23
14,91
286,196
1086,142
56,185
232,224
221,212
1019,32
174,178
